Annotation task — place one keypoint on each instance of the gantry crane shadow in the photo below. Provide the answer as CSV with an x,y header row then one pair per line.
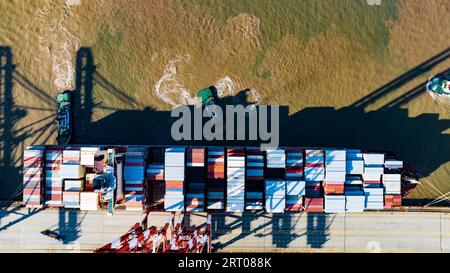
x,y
261,231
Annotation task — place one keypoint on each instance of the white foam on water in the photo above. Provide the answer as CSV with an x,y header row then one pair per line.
x,y
225,87
441,100
168,89
57,43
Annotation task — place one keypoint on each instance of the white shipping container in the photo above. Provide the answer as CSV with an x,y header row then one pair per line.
x,y
88,201
295,187
335,155
393,164
73,185
72,171
174,173
87,155
355,166
373,158
391,177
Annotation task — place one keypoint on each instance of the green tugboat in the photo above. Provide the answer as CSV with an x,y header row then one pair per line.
x,y
207,99
439,84
64,117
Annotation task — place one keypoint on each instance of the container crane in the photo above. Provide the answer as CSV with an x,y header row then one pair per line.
x,y
173,237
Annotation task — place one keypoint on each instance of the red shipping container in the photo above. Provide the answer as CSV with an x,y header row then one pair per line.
x,y
314,204
53,196
32,184
235,152
296,207
155,176
195,155
32,204
30,191
333,188
314,165
297,170
174,184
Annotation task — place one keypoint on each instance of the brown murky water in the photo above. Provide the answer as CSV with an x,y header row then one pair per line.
x,y
351,74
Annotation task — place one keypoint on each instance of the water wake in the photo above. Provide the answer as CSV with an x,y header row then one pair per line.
x,y
57,43
170,91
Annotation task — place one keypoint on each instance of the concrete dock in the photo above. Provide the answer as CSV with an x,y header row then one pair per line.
x,y
21,231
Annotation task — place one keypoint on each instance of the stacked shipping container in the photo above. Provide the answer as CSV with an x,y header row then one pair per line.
x,y
134,177
314,169
235,180
174,175
275,195
294,164
53,179
392,183
335,172
155,178
196,179
334,203
33,176
295,190
88,201
354,162
216,175
373,168
72,173
352,180
295,186
254,183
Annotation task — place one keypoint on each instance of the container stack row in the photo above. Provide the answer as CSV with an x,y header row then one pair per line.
x,y
133,174
392,183
53,179
354,198
174,174
154,175
294,164
216,174
196,179
215,178
275,195
72,173
235,180
373,168
354,162
276,159
335,172
295,185
334,203
254,185
373,189
314,176
295,191
89,200
33,176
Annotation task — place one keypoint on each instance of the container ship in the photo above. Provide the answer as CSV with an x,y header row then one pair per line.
x,y
214,179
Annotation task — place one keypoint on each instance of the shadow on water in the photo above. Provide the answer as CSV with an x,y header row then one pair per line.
x,y
419,140
13,138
